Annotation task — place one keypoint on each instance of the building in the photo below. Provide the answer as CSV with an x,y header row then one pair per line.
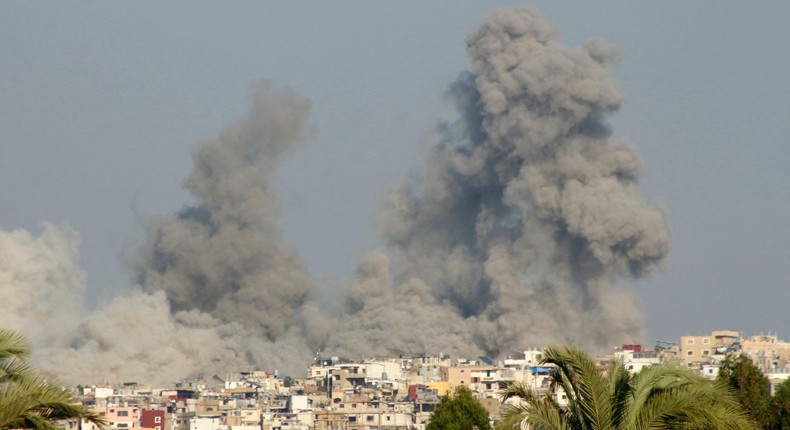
x,y
153,419
767,352
698,350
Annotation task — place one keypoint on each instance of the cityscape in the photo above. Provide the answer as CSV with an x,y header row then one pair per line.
x,y
389,217
396,392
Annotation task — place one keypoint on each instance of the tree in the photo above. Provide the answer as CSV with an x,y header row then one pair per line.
x,y
752,389
781,404
27,400
663,396
459,412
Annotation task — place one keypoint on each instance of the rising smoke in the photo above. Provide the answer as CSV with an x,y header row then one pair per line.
x,y
523,219
226,256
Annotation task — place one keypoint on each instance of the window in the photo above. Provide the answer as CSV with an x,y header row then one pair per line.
x,y
369,418
705,352
689,341
123,425
123,413
706,340
690,353
157,420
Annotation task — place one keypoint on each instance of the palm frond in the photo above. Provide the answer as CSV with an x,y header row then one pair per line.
x,y
589,396
619,381
28,401
532,410
13,344
669,396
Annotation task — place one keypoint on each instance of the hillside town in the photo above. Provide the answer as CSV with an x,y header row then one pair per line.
x,y
397,392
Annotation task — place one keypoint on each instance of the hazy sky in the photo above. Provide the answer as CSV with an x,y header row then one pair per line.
x,y
102,103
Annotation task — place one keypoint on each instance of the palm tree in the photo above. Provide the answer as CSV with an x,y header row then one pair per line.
x,y
662,396
28,401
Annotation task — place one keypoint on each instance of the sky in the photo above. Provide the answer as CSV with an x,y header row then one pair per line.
x,y
101,105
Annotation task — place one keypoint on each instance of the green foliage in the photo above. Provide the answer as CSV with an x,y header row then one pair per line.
x,y
781,405
753,392
752,389
663,396
27,401
460,412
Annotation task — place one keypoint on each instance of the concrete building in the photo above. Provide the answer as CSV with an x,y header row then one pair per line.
x,y
767,352
461,375
698,350
120,417
205,423
153,419
636,360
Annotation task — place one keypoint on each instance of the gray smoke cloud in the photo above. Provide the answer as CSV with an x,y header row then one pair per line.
x,y
527,213
41,282
216,288
516,232
225,256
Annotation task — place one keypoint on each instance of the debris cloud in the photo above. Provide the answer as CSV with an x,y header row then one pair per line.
x,y
225,256
518,230
528,212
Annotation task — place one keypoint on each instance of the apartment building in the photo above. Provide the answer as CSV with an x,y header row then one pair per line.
x,y
462,375
767,352
698,350
153,419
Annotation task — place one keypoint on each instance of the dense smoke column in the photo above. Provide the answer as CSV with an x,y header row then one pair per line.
x,y
225,256
528,212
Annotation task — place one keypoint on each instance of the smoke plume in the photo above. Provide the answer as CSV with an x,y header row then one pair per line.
x,y
528,211
225,256
516,231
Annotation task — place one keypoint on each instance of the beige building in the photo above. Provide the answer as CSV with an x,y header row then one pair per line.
x,y
767,352
462,375
327,420
698,350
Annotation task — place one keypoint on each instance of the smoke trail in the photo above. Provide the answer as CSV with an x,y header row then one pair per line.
x,y
528,211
